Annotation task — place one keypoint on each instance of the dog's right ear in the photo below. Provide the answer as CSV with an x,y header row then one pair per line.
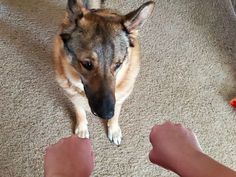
x,y
75,9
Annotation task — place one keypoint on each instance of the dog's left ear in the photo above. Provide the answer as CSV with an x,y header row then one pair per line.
x,y
136,18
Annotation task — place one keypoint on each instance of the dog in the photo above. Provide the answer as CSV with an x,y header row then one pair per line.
x,y
97,60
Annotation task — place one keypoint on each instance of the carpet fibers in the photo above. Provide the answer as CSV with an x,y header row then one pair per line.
x,y
187,75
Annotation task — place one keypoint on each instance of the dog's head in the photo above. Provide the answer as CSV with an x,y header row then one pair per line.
x,y
96,42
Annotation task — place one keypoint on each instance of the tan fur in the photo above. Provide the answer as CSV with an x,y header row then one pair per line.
x,y
125,79
69,80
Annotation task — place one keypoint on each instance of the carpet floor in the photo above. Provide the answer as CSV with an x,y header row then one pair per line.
x,y
187,75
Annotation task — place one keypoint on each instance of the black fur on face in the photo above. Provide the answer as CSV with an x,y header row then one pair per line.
x,y
97,43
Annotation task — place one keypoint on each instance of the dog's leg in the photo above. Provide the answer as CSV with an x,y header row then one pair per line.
x,y
114,131
81,123
81,128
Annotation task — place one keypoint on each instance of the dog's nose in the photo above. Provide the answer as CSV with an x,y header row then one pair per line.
x,y
105,109
107,115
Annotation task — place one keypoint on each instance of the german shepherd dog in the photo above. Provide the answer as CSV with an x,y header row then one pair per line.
x,y
96,55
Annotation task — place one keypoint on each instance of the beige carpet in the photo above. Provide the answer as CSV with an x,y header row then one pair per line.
x,y
188,75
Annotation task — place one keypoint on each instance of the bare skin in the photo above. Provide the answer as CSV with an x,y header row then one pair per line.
x,y
70,157
176,148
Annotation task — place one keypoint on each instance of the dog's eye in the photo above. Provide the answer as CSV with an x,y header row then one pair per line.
x,y
117,65
87,65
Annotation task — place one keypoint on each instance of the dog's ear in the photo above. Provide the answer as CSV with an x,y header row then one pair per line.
x,y
136,18
75,9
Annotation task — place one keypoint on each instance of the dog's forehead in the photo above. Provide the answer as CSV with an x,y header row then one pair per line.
x,y
108,15
104,37
101,32
111,48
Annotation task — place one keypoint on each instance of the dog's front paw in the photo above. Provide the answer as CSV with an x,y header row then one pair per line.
x,y
82,131
114,134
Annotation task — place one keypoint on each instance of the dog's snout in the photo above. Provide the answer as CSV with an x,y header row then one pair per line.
x,y
107,115
105,109
102,101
